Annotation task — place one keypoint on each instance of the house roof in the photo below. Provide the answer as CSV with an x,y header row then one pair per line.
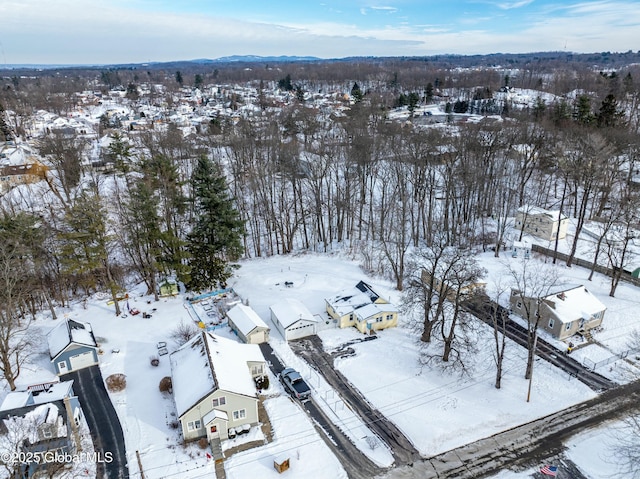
x,y
245,319
68,332
535,210
574,303
26,420
355,299
34,395
209,362
371,310
289,311
214,414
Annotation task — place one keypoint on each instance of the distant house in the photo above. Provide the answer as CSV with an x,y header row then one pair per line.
x,y
247,324
168,287
541,223
363,308
214,386
292,319
562,313
72,346
40,419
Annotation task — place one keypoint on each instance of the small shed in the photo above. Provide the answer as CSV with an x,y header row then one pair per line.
x,y
72,346
292,319
169,288
247,324
281,464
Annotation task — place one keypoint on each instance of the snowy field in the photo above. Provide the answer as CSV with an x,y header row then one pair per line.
x,y
437,411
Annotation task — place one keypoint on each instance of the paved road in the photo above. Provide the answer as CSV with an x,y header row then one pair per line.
x,y
102,420
527,446
354,462
483,309
311,350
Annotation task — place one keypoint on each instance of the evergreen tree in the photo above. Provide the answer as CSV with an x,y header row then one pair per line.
x,y
356,93
582,110
5,131
609,114
285,83
132,92
198,81
215,239
428,93
412,102
179,78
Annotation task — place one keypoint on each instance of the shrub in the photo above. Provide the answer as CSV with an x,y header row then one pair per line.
x,y
203,443
183,332
155,361
166,386
116,382
262,382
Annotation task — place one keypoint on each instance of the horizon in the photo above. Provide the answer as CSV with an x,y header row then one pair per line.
x,y
88,32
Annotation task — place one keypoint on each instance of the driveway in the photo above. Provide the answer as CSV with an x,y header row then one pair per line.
x,y
103,422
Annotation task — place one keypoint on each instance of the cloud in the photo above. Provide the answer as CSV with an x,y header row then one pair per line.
x,y
94,31
512,5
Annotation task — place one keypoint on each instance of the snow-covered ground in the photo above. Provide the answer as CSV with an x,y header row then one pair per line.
x,y
436,410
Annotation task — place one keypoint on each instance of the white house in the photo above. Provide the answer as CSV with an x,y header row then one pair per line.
x,y
214,387
248,325
545,224
293,319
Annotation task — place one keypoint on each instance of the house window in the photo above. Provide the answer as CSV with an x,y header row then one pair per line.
x,y
567,327
551,322
379,319
256,370
221,401
241,414
46,433
194,425
351,317
519,305
389,317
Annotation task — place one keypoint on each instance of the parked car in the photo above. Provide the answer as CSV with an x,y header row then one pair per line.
x,y
294,384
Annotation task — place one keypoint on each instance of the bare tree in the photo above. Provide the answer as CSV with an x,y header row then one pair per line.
x,y
183,332
532,280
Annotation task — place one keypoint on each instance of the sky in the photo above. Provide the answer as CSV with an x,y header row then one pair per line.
x,y
137,31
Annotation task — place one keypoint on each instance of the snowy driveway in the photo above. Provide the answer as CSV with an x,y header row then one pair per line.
x,y
106,431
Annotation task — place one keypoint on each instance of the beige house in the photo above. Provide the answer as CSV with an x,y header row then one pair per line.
x,y
363,308
541,223
247,324
563,313
214,386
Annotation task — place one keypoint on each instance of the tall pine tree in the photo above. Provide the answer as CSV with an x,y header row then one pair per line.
x,y
216,237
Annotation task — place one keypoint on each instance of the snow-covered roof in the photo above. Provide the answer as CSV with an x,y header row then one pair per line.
x,y
68,332
349,300
214,414
373,309
575,303
26,422
245,319
535,210
49,392
208,362
290,310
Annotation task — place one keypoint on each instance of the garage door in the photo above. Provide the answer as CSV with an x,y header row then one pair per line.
x,y
83,360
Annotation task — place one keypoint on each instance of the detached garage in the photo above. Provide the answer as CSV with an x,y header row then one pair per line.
x,y
293,319
72,346
248,325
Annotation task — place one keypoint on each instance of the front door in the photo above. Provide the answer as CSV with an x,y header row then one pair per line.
x,y
213,432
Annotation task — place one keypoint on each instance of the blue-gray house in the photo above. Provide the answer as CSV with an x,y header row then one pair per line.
x,y
72,346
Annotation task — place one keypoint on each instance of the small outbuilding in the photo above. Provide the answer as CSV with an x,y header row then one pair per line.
x,y
168,288
72,346
247,324
292,319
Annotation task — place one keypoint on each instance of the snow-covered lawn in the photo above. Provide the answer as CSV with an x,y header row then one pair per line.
x,y
437,411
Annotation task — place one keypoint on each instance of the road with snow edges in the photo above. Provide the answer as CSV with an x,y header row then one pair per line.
x,y
527,446
103,422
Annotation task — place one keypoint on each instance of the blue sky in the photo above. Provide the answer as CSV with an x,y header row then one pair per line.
x,y
120,31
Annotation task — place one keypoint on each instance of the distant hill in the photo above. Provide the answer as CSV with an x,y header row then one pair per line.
x,y
257,58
